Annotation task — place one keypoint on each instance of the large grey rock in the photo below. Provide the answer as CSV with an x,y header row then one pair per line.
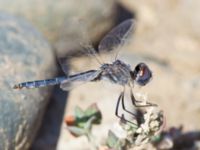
x,y
24,55
55,18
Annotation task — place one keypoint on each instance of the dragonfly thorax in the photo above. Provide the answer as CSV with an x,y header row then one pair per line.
x,y
118,72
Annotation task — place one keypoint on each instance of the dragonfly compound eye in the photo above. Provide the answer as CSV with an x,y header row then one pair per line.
x,y
142,74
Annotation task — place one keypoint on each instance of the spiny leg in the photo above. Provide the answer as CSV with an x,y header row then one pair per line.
x,y
117,110
131,87
123,105
148,104
138,115
117,106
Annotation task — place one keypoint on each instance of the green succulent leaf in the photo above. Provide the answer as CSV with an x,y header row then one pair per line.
x,y
79,113
113,141
82,117
76,131
84,120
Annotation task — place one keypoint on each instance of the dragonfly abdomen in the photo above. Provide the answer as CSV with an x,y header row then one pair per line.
x,y
40,83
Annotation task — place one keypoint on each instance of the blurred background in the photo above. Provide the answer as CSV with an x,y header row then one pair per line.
x,y
34,34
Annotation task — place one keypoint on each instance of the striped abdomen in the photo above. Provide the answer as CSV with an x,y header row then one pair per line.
x,y
64,81
40,83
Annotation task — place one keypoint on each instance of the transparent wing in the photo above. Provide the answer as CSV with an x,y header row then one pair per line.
x,y
71,85
74,59
78,79
117,36
86,44
64,64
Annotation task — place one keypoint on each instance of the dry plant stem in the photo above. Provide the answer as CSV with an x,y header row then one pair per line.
x,y
91,139
89,135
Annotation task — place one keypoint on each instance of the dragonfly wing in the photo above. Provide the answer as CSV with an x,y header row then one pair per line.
x,y
84,47
64,64
68,86
114,39
86,44
118,36
78,79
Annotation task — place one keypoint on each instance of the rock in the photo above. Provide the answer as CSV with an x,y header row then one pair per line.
x,y
25,55
56,18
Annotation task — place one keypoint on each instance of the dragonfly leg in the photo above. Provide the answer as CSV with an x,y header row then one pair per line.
x,y
124,108
121,96
134,101
117,107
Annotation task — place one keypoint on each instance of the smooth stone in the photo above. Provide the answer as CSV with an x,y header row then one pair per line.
x,y
55,19
25,56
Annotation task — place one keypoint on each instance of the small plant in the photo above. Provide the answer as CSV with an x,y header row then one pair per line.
x,y
82,121
124,135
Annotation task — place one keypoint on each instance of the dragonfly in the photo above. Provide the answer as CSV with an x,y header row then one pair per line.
x,y
117,72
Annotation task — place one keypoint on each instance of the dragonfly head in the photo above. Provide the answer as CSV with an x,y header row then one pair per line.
x,y
141,74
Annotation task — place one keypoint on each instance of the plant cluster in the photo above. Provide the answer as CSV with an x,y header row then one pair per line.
x,y
124,135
